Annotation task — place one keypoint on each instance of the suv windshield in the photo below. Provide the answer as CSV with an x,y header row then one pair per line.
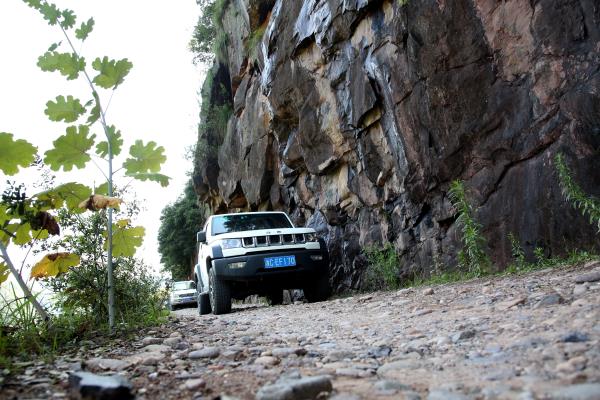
x,y
249,222
183,285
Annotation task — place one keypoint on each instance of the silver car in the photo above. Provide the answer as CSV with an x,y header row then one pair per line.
x,y
182,292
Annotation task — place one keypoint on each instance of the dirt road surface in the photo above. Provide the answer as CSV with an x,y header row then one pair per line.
x,y
533,336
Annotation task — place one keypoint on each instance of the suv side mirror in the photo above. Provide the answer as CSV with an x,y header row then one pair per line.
x,y
201,237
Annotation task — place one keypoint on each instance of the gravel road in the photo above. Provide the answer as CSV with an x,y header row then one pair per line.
x,y
533,336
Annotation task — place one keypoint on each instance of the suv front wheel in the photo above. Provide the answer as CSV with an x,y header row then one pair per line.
x,y
319,290
219,294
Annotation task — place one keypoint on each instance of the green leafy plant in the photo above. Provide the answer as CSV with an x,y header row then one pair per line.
x,y
382,269
472,257
519,263
24,220
84,290
209,38
588,205
254,40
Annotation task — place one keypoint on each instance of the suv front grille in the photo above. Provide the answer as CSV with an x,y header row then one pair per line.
x,y
273,240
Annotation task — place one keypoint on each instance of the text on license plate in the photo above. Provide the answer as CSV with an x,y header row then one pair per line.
x,y
277,262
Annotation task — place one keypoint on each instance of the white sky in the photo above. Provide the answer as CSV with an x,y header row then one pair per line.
x,y
158,100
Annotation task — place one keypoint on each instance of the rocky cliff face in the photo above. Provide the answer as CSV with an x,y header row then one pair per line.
x,y
355,115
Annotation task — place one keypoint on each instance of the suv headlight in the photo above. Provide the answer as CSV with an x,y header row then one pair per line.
x,y
230,243
311,237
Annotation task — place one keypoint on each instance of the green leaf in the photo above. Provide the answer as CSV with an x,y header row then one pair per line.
x,y
54,46
15,153
68,19
4,272
70,194
85,29
102,189
20,233
116,142
68,64
154,177
67,110
33,3
54,264
50,12
145,158
3,214
71,150
125,240
111,73
24,233
94,115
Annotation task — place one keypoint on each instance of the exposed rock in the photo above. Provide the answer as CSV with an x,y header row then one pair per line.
x,y
151,340
462,335
442,394
573,365
172,341
157,348
102,364
84,385
585,391
511,303
574,337
396,369
593,276
194,384
549,300
266,360
355,116
295,389
208,352
389,387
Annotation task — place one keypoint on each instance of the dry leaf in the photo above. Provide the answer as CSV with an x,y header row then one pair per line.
x,y
99,202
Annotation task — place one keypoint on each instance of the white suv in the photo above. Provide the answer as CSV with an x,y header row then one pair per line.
x,y
258,253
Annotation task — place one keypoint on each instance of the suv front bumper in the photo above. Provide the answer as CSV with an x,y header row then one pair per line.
x,y
309,264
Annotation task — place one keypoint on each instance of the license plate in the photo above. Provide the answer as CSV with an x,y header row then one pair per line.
x,y
279,262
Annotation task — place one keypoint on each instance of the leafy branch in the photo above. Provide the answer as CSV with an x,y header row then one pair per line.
x,y
472,257
588,205
22,219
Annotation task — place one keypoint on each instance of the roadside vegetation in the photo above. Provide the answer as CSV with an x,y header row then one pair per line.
x,y
383,268
179,223
83,237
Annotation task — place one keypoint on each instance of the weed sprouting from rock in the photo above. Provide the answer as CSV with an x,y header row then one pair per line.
x,y
472,258
383,268
588,205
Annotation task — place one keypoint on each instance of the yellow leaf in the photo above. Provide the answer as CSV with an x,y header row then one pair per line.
x,y
122,223
97,202
54,264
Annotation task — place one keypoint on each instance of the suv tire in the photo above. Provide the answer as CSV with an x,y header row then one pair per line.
x,y
219,294
320,290
275,298
203,304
